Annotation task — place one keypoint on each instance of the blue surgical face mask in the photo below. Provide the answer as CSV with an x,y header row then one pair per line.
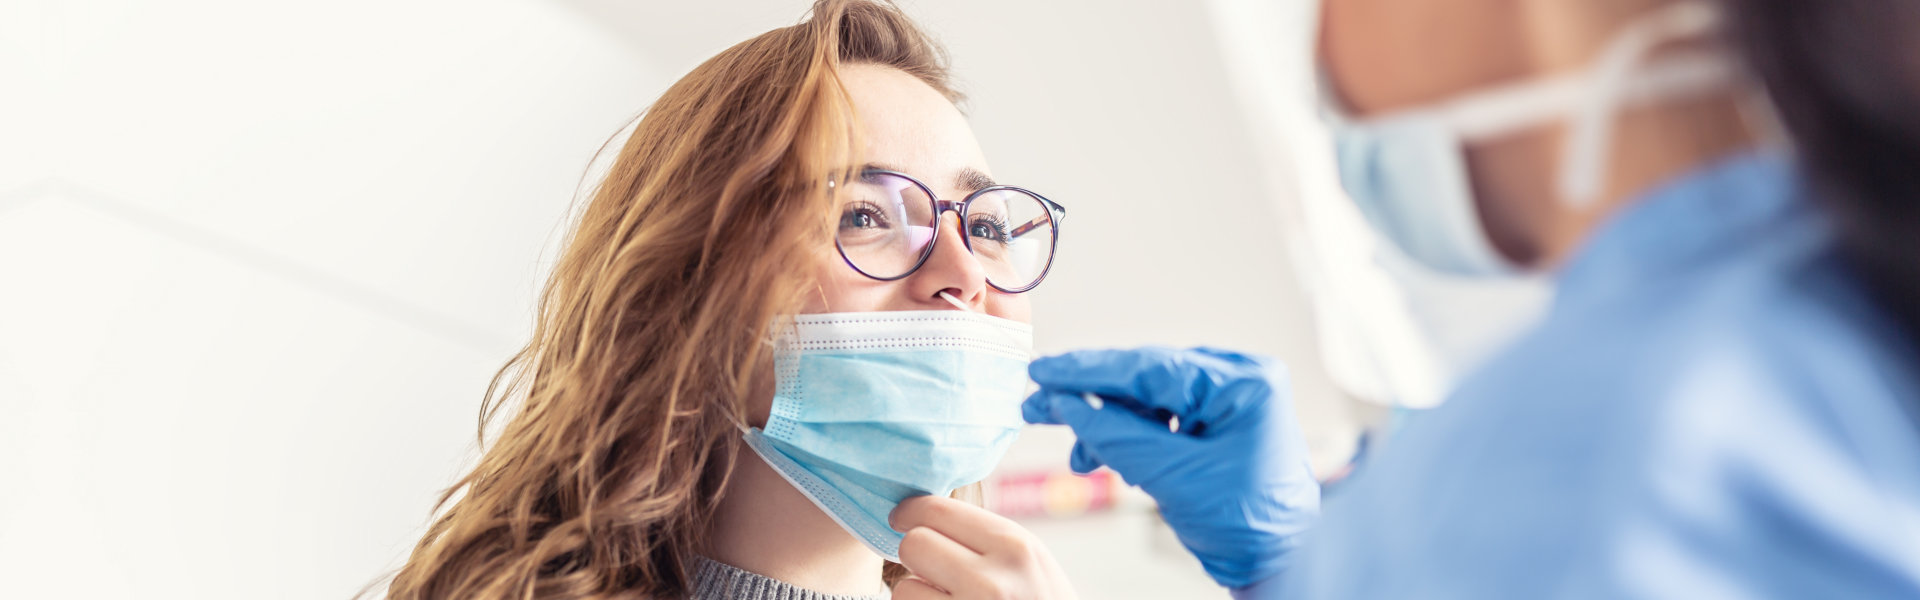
x,y
1407,170
872,408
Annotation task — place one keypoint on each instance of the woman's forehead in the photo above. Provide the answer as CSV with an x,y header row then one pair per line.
x,y
910,127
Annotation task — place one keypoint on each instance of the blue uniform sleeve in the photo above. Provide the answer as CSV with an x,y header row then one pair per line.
x,y
1721,468
1270,589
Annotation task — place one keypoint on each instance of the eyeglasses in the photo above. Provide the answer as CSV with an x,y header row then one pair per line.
x,y
889,224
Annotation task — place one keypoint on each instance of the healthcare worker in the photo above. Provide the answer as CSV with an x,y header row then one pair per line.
x,y
1722,400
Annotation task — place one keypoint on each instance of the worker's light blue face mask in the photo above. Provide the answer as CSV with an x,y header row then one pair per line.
x,y
1407,170
872,408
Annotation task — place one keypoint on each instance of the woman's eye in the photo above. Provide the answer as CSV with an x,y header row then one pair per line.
x,y
856,220
988,228
862,217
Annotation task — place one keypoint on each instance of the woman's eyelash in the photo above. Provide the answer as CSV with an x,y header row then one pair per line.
x,y
999,226
868,208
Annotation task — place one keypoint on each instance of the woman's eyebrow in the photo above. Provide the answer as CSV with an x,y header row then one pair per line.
x,y
968,180
971,180
877,166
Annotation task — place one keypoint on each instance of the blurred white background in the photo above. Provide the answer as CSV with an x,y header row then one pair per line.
x,y
258,260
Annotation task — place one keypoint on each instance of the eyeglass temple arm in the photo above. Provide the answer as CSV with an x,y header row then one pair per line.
x,y
1059,212
1023,228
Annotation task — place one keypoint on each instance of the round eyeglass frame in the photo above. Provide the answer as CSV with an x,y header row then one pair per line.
x,y
1055,213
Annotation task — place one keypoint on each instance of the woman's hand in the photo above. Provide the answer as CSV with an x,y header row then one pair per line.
x,y
958,550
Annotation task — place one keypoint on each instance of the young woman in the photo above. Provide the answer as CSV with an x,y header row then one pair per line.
x,y
819,170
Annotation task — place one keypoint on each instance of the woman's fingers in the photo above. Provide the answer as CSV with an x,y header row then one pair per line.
x,y
938,559
974,527
973,553
915,588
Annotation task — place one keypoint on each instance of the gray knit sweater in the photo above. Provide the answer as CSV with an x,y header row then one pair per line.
x,y
716,581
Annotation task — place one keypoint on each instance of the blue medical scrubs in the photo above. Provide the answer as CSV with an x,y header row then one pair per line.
x,y
1712,409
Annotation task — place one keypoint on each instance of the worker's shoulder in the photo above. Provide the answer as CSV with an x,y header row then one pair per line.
x,y
1718,414
1748,379
1792,333
1710,436
1784,342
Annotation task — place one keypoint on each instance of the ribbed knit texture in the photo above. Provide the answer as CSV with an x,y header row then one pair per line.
x,y
716,581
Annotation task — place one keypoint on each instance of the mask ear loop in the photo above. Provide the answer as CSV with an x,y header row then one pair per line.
x,y
776,338
1585,161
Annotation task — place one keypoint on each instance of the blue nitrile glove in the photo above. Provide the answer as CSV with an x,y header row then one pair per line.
x,y
1233,482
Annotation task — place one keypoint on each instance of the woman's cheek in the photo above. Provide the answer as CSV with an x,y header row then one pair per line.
x,y
839,289
1014,307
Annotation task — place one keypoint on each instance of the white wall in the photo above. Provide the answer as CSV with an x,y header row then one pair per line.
x,y
258,260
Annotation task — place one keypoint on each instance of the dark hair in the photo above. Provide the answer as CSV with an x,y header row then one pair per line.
x,y
1845,77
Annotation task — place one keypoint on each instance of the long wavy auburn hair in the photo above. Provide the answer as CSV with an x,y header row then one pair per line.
x,y
650,333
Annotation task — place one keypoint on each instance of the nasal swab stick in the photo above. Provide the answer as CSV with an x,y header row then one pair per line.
x,y
955,301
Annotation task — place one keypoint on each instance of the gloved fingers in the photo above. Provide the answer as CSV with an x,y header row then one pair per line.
x,y
1185,383
1241,386
1038,409
1108,372
1082,461
1098,425
1236,357
1144,379
1117,438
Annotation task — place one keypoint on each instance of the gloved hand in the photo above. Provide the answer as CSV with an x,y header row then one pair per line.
x,y
1233,482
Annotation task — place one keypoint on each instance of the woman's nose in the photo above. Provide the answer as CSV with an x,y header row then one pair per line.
x,y
951,268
